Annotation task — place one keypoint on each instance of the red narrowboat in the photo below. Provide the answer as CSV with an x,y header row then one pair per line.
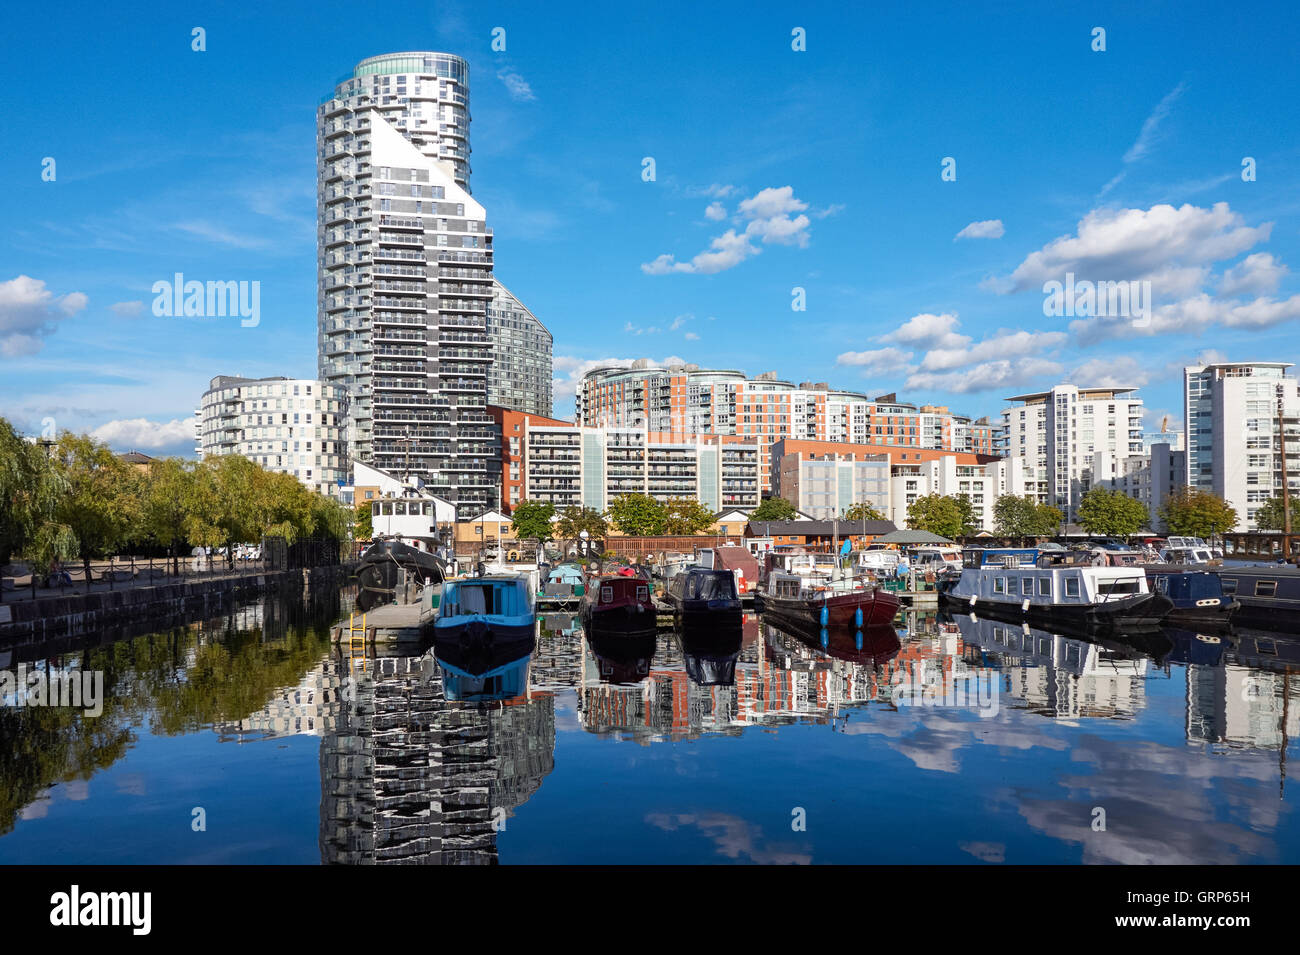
x,y
618,603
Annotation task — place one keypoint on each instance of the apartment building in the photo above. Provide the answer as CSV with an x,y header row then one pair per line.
x,y
688,399
511,426
824,479
295,426
1059,434
1238,416
590,467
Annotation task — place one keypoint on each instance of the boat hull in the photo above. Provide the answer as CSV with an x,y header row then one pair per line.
x,y
1135,612
475,645
838,612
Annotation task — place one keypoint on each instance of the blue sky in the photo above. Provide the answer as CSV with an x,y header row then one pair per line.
x,y
817,169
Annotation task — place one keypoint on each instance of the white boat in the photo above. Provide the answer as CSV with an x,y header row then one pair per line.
x,y
1019,584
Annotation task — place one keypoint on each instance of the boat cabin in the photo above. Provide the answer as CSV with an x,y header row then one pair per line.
x,y
486,596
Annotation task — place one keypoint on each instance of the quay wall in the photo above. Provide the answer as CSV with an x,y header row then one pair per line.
x,y
48,618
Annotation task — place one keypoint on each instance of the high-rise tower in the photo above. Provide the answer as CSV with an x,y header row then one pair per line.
x,y
405,272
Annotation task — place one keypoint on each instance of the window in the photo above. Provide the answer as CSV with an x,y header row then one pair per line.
x,y
999,585
1265,588
1229,585
1072,586
1045,586
1027,586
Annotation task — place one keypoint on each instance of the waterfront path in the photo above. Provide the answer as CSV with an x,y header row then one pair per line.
x,y
121,573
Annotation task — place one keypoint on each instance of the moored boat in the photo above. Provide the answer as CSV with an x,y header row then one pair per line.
x,y
1269,595
698,595
482,617
618,603
816,602
382,565
1197,595
1020,585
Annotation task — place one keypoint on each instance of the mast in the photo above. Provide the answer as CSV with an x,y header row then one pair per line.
x,y
1286,481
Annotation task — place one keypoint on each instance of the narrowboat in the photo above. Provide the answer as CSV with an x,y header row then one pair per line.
x,y
482,617
1269,595
1198,595
618,603
817,602
381,564
699,595
711,653
1018,584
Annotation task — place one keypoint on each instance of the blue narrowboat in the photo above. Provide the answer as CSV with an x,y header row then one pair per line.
x,y
483,617
1197,595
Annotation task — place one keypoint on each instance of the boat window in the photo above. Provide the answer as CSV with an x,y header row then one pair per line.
x,y
1265,588
1045,586
1071,586
388,509
1229,585
999,585
428,507
1162,585
643,593
1027,586
374,509
399,508
606,595
1114,587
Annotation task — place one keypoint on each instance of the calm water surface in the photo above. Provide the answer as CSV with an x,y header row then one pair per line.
x,y
763,748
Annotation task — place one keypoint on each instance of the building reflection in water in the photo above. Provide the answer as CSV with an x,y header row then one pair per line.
x,y
409,775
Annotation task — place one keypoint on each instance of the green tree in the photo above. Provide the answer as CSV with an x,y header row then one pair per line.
x,y
1111,512
31,487
937,514
574,520
862,511
774,509
686,516
362,525
1022,516
638,515
164,504
532,520
1193,512
102,504
1269,515
966,509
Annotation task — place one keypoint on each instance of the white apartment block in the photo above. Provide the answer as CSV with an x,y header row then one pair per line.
x,y
296,426
1235,414
590,467
981,484
405,272
1070,438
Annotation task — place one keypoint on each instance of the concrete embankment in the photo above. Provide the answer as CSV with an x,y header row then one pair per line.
x,y
46,618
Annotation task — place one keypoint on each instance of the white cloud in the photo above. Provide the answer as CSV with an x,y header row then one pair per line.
x,y
878,361
691,337
1171,247
984,229
1146,136
176,436
1117,371
715,211
1004,344
126,309
516,86
767,218
28,312
214,233
987,376
928,330
681,320
1257,274
714,191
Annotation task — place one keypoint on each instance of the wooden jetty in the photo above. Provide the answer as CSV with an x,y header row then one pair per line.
x,y
391,623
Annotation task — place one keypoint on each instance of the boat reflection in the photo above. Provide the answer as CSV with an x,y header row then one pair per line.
x,y
871,646
622,658
711,652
